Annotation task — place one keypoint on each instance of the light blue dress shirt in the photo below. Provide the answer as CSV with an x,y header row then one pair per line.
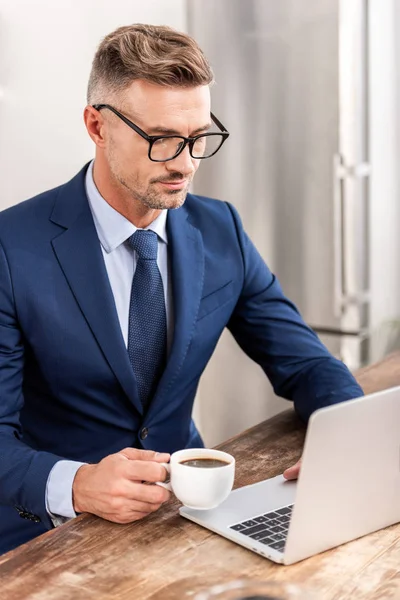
x,y
113,230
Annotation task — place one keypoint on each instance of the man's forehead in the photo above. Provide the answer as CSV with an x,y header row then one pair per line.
x,y
161,109
144,97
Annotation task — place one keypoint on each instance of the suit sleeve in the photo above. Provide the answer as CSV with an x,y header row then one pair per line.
x,y
270,330
23,470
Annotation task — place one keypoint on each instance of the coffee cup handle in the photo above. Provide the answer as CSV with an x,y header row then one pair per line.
x,y
166,485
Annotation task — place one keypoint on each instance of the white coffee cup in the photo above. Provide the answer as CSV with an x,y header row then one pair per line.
x,y
200,488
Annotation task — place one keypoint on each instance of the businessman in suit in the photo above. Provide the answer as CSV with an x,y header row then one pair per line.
x,y
114,290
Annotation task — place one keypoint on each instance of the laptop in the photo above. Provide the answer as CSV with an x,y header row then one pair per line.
x,y
349,486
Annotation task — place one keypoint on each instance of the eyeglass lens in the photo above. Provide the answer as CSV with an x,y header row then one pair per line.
x,y
168,147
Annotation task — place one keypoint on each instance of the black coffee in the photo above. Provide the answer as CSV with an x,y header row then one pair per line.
x,y
204,463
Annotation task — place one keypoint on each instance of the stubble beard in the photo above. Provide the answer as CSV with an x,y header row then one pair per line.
x,y
155,199
150,196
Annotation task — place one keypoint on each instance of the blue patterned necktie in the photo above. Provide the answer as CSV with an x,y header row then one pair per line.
x,y
147,337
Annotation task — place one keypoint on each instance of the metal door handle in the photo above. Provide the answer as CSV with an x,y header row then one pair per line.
x,y
340,173
338,269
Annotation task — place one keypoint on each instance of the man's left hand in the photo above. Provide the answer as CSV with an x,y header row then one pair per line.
x,y
293,472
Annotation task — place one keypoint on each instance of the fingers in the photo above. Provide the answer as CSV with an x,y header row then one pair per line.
x,y
130,501
144,471
144,508
293,472
147,455
149,494
134,503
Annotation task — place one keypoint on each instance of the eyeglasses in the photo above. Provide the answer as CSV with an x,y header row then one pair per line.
x,y
163,148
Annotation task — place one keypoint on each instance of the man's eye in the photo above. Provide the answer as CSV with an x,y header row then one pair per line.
x,y
160,142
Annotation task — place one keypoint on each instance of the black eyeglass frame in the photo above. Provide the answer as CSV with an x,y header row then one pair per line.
x,y
187,141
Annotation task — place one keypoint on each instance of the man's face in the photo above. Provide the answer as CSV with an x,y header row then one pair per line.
x,y
157,110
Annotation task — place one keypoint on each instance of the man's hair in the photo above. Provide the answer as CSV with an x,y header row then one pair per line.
x,y
157,54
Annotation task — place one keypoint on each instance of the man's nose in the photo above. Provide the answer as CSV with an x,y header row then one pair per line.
x,y
183,163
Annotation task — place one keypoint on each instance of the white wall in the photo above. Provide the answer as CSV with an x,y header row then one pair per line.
x,y
46,49
384,122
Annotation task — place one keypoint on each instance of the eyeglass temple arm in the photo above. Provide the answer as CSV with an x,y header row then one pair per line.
x,y
218,123
143,133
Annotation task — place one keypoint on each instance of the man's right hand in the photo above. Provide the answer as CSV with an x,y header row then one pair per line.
x,y
115,488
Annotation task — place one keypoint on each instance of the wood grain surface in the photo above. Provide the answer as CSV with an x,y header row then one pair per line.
x,y
165,557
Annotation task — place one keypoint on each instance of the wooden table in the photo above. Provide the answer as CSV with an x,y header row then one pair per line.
x,y
166,557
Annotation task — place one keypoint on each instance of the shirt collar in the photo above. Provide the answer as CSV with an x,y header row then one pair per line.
x,y
113,229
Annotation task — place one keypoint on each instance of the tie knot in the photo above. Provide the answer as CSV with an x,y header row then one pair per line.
x,y
144,242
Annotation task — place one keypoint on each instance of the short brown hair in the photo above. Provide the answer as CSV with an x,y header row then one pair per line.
x,y
158,54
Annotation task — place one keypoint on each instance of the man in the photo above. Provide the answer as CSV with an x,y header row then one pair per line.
x,y
114,290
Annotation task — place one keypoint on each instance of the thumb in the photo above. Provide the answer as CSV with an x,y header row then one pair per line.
x,y
148,455
293,472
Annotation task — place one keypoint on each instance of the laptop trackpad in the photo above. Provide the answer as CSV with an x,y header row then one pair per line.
x,y
247,502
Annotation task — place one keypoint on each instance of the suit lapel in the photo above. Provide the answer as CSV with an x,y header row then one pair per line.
x,y
186,264
79,254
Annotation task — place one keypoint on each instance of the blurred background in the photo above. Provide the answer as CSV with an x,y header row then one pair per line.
x,y
310,92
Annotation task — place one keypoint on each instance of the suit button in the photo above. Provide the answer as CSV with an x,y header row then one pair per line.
x,y
144,433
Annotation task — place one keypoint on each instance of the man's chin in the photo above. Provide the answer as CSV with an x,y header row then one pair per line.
x,y
173,199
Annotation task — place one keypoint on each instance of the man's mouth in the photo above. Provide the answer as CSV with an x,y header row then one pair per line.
x,y
174,185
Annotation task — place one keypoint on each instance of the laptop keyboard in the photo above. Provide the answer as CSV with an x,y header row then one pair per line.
x,y
270,529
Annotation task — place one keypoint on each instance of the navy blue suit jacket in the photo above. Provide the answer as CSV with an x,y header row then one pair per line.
x,y
67,389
